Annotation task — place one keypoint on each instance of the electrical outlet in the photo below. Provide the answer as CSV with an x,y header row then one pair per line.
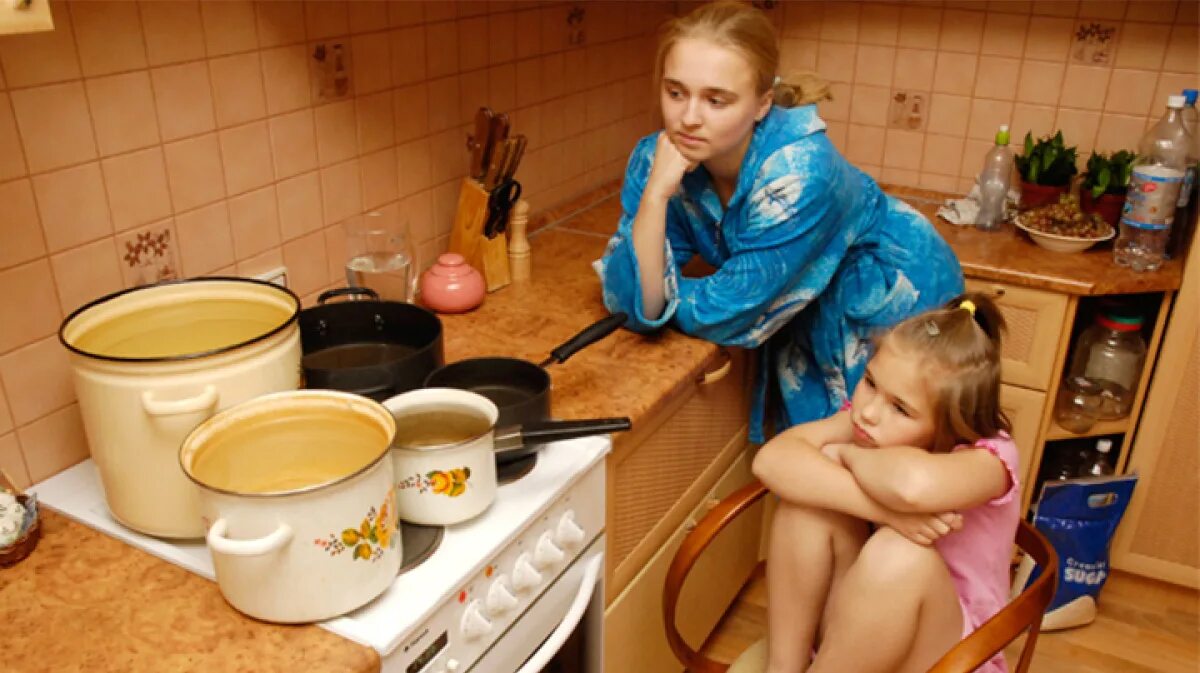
x,y
908,110
331,71
278,276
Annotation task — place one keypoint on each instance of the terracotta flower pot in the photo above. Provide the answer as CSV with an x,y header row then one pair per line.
x,y
1033,195
1108,205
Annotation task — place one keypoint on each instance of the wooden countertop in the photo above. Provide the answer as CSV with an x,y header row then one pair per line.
x,y
83,600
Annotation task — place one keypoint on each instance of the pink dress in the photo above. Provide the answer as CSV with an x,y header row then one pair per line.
x,y
978,555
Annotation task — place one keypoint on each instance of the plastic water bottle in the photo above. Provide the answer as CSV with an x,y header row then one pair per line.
x,y
993,182
1153,192
1185,215
1096,462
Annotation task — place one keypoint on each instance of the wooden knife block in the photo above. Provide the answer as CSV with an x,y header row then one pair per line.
x,y
488,255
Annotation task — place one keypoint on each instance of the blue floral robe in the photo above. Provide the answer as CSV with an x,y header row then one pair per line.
x,y
812,260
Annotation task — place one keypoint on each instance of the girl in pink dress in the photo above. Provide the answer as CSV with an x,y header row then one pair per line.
x,y
897,514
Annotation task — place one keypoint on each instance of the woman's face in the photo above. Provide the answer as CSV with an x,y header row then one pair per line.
x,y
709,105
892,405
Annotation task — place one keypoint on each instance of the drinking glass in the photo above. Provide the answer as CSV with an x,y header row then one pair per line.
x,y
380,255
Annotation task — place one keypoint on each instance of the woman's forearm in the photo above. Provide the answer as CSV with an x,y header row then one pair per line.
x,y
649,235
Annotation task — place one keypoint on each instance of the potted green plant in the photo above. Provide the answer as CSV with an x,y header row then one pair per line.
x,y
1105,180
1046,169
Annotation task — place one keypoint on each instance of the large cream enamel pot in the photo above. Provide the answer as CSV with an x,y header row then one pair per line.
x,y
150,363
297,491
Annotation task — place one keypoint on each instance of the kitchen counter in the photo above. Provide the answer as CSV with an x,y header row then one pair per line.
x,y
83,600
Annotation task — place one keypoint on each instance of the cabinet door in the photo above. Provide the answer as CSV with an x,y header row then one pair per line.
x,y
1024,410
634,636
18,16
1035,321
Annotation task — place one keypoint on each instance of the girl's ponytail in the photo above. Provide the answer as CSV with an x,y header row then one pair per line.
x,y
802,88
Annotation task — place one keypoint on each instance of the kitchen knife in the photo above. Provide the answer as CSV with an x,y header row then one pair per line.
x,y
513,158
480,142
498,157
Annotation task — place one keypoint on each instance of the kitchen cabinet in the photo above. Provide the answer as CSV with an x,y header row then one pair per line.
x,y
25,16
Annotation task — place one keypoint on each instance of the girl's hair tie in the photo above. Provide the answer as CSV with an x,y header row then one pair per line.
x,y
968,306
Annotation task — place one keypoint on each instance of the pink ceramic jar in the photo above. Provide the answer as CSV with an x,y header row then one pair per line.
x,y
452,285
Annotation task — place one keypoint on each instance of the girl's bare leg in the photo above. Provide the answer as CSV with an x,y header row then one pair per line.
x,y
895,610
810,549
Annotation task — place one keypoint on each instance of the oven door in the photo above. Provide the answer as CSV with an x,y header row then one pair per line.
x,y
563,631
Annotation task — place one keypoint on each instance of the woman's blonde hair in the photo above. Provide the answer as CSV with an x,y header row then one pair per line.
x,y
747,30
960,343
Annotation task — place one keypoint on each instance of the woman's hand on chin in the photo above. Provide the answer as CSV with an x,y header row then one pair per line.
x,y
669,167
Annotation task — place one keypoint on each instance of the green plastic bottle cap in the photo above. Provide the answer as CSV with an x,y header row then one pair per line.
x,y
1002,135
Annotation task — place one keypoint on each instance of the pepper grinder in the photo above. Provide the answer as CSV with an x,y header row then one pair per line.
x,y
518,245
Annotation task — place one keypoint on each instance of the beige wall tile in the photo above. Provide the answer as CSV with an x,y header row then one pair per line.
x,y
12,155
194,172
1103,9
1188,14
307,264
1141,46
109,35
502,87
246,156
286,78
293,143
961,31
228,27
419,208
1119,132
869,105
1085,87
1079,128
1130,91
997,78
29,307
1004,34
1010,6
414,166
183,96
472,43
865,145
300,210
529,26
899,176
451,163
1181,50
123,112
405,13
839,22
444,198
173,31
1035,119
443,103
903,149
530,90
1049,38
948,115
919,27
837,109
955,73
411,105
53,443
326,18
335,132
795,55
1159,11
20,228
335,251
941,183
254,222
800,19
55,125
376,122
72,205
942,155
879,24
380,183
914,69
987,116
835,61
238,94
1170,84
408,55
1062,8
43,57
341,187
12,460
372,62
874,65
473,92
83,274
554,28
554,73
837,134
973,153
262,263
137,188
441,49
205,239
502,38
279,22
368,15
1041,82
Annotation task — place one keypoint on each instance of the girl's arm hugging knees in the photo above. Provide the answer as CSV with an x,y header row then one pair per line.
x,y
909,479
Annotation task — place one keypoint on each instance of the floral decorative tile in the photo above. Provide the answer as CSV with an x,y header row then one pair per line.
x,y
1093,43
148,254
908,110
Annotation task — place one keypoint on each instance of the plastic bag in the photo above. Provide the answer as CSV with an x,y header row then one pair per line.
x,y
1079,518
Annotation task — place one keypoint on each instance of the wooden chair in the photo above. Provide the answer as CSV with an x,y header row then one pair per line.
x,y
1023,613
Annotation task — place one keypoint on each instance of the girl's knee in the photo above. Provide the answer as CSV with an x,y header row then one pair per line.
x,y
816,519
889,556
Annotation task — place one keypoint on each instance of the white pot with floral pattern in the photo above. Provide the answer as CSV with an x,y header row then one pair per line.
x,y
297,493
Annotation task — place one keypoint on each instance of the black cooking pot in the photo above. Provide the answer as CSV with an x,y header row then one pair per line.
x,y
370,347
520,389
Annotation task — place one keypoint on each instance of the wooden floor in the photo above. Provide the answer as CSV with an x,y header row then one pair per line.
x,y
1144,626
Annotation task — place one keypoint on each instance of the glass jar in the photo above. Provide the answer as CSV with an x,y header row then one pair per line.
x,y
1078,405
1110,353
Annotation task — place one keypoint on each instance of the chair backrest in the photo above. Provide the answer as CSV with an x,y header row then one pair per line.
x,y
1022,613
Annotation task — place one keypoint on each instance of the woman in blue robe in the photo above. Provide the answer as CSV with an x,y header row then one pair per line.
x,y
811,257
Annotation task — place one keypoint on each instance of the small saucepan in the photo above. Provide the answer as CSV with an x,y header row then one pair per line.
x,y
445,449
520,389
373,348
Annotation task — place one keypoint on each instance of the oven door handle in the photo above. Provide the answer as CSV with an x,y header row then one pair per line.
x,y
549,648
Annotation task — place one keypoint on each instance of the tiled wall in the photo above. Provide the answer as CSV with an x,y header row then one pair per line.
x,y
1100,71
142,140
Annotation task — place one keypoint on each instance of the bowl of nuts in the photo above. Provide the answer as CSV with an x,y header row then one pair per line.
x,y
1063,227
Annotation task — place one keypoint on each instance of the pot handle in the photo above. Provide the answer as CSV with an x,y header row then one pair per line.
x,y
347,291
590,335
220,544
205,400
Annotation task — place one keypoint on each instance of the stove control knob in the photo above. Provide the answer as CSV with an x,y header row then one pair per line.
x,y
546,553
474,624
451,665
525,576
499,598
568,533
